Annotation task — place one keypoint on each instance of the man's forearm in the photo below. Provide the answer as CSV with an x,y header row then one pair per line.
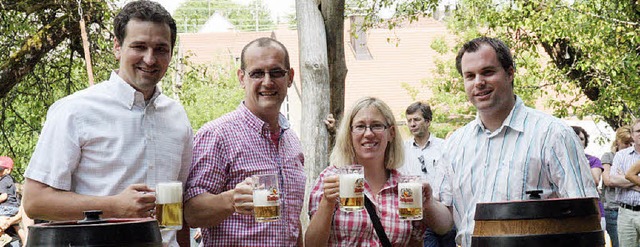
x,y
438,217
207,210
43,202
619,181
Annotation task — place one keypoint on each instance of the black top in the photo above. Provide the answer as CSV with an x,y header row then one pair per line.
x,y
7,185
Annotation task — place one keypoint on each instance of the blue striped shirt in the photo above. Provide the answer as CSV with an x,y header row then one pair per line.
x,y
530,151
621,163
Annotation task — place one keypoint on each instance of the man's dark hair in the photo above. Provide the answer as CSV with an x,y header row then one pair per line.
x,y
579,130
265,42
424,108
502,51
143,10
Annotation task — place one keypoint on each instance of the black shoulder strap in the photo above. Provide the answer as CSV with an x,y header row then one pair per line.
x,y
384,240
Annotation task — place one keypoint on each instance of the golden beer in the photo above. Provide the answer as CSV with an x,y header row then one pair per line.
x,y
267,214
266,205
169,215
351,203
410,213
410,198
169,205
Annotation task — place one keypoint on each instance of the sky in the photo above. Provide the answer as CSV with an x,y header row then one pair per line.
x,y
277,7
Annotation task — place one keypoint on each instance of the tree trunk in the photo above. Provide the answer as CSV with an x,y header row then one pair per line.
x,y
333,13
314,77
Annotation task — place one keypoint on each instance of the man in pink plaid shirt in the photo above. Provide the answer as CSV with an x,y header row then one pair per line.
x,y
252,140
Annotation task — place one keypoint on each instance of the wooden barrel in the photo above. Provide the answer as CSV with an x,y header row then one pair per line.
x,y
95,231
547,223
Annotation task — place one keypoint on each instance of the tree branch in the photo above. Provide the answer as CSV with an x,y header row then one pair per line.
x,y
33,49
602,17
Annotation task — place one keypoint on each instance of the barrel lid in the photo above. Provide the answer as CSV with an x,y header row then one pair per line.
x,y
92,218
537,209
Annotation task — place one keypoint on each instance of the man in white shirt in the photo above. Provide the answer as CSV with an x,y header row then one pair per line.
x,y
107,146
421,154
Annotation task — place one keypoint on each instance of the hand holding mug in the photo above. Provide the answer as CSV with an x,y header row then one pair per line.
x,y
243,197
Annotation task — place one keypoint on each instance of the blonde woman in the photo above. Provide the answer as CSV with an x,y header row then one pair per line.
x,y
368,136
623,140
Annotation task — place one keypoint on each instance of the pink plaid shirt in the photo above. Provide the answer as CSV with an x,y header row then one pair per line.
x,y
356,228
234,147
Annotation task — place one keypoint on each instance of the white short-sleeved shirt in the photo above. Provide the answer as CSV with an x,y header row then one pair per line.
x,y
530,151
102,139
422,161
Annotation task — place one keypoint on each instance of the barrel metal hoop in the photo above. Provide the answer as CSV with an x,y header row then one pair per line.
x,y
586,239
515,210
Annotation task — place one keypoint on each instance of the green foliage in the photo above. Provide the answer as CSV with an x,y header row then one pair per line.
x,y
439,45
60,72
207,91
412,91
566,51
192,14
405,11
579,57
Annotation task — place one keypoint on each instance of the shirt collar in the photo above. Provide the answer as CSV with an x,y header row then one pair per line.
x,y
128,95
426,144
630,150
515,119
392,182
257,124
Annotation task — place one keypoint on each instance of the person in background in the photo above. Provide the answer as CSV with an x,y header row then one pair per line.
x,y
595,164
107,146
368,136
254,139
509,148
10,213
421,154
628,193
622,140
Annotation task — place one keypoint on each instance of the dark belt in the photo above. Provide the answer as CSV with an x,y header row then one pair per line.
x,y
627,206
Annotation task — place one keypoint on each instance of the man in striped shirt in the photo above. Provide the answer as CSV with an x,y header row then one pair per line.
x,y
509,148
627,194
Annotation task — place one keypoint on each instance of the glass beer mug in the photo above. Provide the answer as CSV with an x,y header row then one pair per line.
x,y
169,205
410,198
266,198
351,188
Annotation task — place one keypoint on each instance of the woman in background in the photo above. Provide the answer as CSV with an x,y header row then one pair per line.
x,y
623,140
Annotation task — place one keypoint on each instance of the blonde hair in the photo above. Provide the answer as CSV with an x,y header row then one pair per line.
x,y
622,134
343,151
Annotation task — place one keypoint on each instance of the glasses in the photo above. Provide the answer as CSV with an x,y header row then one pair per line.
x,y
273,74
375,128
423,165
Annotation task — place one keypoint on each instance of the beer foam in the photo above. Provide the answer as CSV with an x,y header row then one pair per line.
x,y
260,198
348,184
169,192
